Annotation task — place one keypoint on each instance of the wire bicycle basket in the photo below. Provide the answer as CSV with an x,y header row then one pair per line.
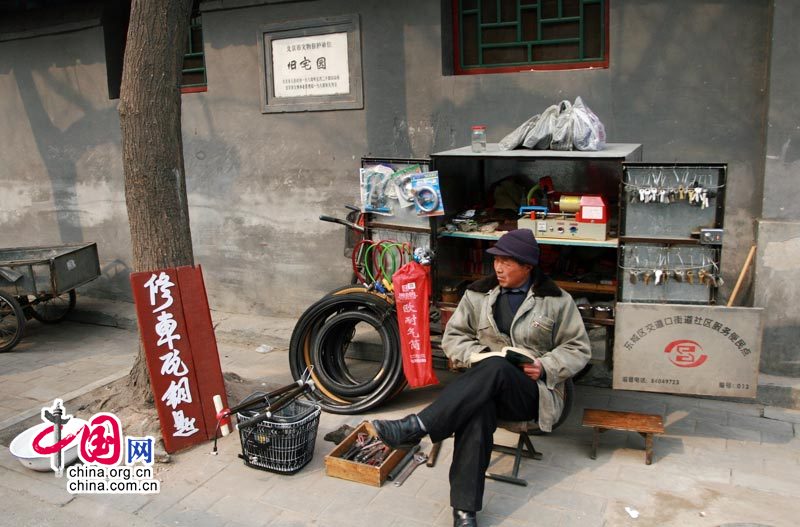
x,y
282,443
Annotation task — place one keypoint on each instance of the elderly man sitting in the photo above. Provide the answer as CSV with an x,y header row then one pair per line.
x,y
517,306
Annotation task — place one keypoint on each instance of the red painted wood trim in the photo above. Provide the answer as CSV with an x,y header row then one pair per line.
x,y
194,89
458,70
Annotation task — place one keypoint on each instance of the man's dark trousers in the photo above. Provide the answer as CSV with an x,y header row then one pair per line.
x,y
469,408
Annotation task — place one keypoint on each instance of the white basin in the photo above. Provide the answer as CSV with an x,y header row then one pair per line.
x,y
22,445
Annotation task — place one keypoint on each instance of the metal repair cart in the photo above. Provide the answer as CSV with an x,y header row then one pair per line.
x,y
40,283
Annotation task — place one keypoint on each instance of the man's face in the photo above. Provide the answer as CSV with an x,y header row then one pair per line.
x,y
511,273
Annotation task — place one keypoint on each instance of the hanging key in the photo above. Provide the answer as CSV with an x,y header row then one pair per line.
x,y
681,192
702,276
633,276
690,276
647,276
658,273
679,275
418,460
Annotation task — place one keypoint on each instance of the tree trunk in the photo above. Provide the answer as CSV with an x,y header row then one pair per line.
x,y
152,147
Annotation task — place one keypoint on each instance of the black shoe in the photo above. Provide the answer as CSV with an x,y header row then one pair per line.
x,y
400,433
464,518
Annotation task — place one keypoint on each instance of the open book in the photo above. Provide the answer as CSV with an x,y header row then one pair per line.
x,y
514,355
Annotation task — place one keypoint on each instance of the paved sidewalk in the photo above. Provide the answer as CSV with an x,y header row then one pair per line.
x,y
719,462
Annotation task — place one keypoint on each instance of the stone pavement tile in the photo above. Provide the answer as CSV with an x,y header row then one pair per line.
x,y
38,485
616,489
404,506
123,502
700,440
248,484
201,498
742,450
767,483
655,477
340,513
440,492
582,519
294,497
678,423
780,438
42,392
699,467
244,510
412,485
351,492
20,404
24,374
752,409
405,522
759,423
178,516
285,519
180,479
629,404
571,500
732,505
535,514
728,432
85,512
709,415
782,414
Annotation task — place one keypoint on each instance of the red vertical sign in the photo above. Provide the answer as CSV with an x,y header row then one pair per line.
x,y
180,351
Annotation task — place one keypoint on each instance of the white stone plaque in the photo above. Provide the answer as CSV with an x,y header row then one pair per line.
x,y
677,348
311,66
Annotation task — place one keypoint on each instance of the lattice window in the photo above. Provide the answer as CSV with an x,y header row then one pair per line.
x,y
193,75
513,35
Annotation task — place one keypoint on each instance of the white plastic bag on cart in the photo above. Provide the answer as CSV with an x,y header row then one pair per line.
x,y
588,133
515,138
540,134
562,129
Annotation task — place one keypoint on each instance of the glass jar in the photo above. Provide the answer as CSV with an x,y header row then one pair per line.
x,y
479,138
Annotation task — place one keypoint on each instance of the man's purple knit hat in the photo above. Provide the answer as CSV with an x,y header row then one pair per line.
x,y
519,245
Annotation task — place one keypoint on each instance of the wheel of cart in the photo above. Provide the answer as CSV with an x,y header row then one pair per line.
x,y
12,322
48,308
40,283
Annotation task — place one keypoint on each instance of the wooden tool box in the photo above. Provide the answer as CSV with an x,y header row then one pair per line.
x,y
337,467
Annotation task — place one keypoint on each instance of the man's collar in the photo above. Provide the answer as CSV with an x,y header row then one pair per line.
x,y
542,285
521,289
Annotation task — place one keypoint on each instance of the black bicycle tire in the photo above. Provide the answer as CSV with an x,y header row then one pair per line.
x,y
348,406
334,303
61,316
20,316
318,347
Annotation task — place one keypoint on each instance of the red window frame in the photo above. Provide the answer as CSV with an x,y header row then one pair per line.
x,y
458,70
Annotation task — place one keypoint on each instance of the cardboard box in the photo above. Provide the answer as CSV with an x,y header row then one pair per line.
x,y
678,348
337,467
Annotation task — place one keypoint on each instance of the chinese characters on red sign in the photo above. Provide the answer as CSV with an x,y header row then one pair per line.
x,y
181,353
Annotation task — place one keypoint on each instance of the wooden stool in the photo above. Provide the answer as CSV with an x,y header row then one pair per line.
x,y
645,424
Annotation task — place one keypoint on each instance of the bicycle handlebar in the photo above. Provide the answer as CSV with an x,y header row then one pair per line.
x,y
340,221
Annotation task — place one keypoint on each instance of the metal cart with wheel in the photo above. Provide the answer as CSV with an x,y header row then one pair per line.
x,y
39,283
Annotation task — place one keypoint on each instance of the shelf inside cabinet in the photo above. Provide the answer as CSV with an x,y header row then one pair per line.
x,y
586,287
612,243
664,240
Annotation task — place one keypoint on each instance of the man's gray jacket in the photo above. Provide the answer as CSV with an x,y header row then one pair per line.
x,y
547,323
